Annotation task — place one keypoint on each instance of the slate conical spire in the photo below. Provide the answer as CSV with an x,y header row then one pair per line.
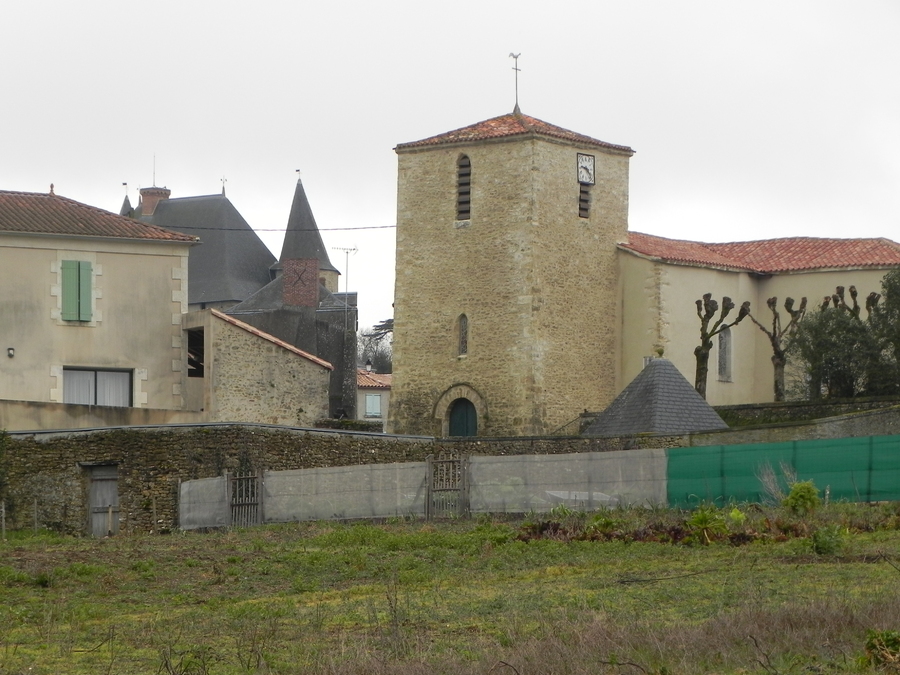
x,y
302,238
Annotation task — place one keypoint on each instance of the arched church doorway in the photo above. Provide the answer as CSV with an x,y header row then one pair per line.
x,y
463,418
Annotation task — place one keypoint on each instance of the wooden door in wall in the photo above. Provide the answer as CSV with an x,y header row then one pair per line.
x,y
104,500
463,418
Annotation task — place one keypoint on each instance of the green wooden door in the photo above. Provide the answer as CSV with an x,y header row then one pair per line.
x,y
463,418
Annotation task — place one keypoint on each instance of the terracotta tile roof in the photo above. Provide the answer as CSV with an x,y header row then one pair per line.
x,y
509,125
271,338
369,380
39,213
768,256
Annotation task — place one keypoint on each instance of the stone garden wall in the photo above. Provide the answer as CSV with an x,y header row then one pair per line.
x,y
46,475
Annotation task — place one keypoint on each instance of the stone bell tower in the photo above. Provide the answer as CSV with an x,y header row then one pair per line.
x,y
507,318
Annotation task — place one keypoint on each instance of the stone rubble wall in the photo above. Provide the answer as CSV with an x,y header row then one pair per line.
x,y
53,468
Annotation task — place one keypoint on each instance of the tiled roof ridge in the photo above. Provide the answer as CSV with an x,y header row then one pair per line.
x,y
108,217
369,380
494,128
765,256
271,338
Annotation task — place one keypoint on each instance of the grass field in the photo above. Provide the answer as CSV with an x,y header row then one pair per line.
x,y
747,590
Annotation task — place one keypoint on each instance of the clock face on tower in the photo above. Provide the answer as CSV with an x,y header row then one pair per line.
x,y
585,169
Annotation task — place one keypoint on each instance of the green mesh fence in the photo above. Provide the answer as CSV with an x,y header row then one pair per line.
x,y
853,469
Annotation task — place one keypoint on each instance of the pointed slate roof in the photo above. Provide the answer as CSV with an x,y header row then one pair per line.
x,y
127,209
302,238
659,400
231,263
50,214
511,125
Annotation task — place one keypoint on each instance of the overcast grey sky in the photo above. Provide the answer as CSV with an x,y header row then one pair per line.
x,y
750,120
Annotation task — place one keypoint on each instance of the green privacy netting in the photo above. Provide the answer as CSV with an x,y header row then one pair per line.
x,y
853,469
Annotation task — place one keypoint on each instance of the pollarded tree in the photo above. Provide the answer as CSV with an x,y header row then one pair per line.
x,y
777,337
842,354
706,310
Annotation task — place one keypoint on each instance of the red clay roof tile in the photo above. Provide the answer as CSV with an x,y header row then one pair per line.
x,y
369,380
39,213
509,125
768,256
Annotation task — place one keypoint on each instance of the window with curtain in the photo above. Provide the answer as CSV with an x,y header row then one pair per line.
x,y
97,387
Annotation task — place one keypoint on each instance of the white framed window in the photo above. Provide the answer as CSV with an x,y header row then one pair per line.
x,y
97,387
373,405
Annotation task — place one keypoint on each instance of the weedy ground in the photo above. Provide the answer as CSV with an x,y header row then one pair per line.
x,y
741,589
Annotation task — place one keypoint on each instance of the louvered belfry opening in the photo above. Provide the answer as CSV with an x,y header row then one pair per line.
x,y
584,201
463,188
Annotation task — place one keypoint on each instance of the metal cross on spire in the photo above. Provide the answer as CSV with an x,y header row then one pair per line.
x,y
224,180
516,68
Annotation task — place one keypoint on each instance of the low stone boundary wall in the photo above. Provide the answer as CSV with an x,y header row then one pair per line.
x,y
52,469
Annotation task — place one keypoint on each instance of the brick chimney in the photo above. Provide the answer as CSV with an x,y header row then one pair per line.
x,y
301,282
152,196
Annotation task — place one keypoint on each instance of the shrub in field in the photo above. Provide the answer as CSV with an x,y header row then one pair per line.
x,y
883,649
736,518
827,540
707,523
803,497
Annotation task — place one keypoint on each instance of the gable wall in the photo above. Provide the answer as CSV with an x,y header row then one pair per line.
x,y
251,378
139,292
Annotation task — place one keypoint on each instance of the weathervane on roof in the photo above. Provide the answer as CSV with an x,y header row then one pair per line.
x,y
224,180
516,68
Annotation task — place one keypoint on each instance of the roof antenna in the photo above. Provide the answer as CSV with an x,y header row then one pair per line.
x,y
154,169
516,68
224,180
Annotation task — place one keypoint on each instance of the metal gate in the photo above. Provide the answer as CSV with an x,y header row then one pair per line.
x,y
447,486
245,498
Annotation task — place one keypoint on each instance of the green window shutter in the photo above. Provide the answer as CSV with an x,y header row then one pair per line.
x,y
70,269
84,290
76,290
